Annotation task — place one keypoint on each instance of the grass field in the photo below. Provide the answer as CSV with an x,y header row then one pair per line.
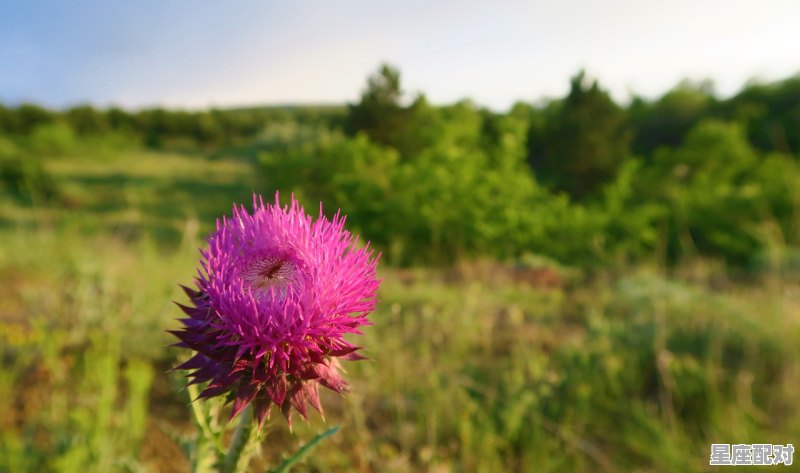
x,y
482,367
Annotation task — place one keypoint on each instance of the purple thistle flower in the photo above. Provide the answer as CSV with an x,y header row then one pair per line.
x,y
277,292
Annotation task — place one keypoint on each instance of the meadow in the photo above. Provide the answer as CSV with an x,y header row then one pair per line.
x,y
477,367
519,328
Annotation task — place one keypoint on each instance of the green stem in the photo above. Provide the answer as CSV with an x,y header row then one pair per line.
x,y
206,450
197,410
245,439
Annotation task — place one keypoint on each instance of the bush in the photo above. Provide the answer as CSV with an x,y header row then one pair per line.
x,y
24,177
720,193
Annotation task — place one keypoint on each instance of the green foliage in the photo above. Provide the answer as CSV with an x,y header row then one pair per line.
x,y
24,119
354,175
629,227
666,121
57,132
452,182
23,176
85,120
52,139
721,193
433,184
585,141
450,200
379,113
770,113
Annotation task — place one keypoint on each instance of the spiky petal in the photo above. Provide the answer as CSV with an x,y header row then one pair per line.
x,y
277,291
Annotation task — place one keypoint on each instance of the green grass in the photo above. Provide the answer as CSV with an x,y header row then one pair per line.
x,y
471,368
139,194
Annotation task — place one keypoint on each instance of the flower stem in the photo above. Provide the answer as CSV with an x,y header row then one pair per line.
x,y
199,416
245,439
206,451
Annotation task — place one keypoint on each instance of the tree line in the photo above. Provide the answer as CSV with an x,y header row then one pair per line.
x,y
580,179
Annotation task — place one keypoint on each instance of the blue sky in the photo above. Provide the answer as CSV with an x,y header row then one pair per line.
x,y
202,53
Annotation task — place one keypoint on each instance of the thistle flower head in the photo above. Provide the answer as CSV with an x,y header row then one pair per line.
x,y
277,291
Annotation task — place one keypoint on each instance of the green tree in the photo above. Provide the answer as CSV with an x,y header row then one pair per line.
x,y
714,191
23,119
351,174
585,142
666,121
379,113
85,120
770,113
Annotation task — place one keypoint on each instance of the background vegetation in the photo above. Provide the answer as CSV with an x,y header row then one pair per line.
x,y
572,285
